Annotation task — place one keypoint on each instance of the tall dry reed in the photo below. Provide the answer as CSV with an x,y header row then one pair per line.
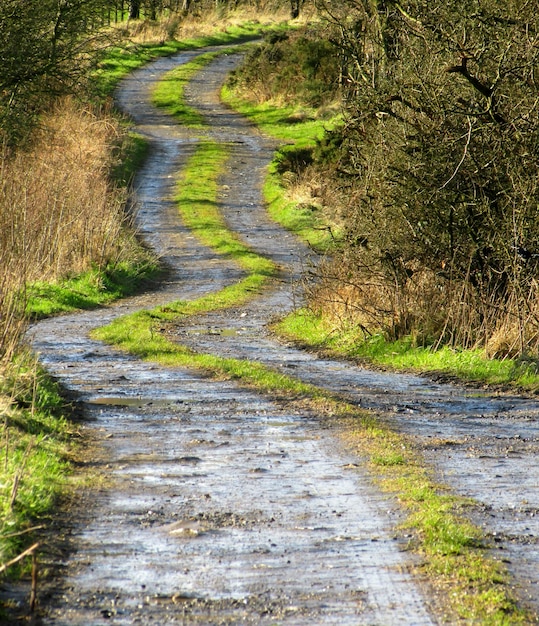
x,y
59,213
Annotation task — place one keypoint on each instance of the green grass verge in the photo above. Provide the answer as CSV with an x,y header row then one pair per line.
x,y
103,285
295,125
471,365
304,221
131,155
298,129
35,453
91,289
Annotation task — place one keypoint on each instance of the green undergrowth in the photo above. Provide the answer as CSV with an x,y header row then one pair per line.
x,y
304,221
36,448
131,155
94,288
294,125
351,342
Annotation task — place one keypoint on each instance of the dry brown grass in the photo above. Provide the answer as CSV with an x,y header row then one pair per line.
x,y
206,22
59,214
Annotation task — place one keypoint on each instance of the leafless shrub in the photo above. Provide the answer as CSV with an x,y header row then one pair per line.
x,y
436,164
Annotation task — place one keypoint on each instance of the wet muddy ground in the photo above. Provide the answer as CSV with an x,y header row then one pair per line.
x,y
223,507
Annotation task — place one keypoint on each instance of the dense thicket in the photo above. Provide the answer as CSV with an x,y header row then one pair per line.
x,y
433,172
290,68
436,169
46,48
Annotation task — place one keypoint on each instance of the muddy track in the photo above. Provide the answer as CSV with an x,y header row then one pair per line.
x,y
224,507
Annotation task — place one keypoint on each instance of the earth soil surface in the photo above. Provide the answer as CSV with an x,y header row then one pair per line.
x,y
225,507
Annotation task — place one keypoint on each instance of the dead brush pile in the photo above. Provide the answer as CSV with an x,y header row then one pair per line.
x,y
59,213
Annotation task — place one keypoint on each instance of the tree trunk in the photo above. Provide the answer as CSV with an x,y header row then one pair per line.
x,y
134,9
294,8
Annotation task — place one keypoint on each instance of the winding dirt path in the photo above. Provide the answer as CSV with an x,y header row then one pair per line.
x,y
226,508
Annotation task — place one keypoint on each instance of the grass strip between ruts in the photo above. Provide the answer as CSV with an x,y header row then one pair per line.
x,y
473,585
197,191
168,93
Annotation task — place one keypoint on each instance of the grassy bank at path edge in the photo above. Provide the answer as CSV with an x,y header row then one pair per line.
x,y
316,332
297,129
35,472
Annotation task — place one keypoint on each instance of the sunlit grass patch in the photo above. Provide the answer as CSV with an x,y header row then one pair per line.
x,y
131,154
91,289
308,225
168,94
298,129
351,342
297,125
35,452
